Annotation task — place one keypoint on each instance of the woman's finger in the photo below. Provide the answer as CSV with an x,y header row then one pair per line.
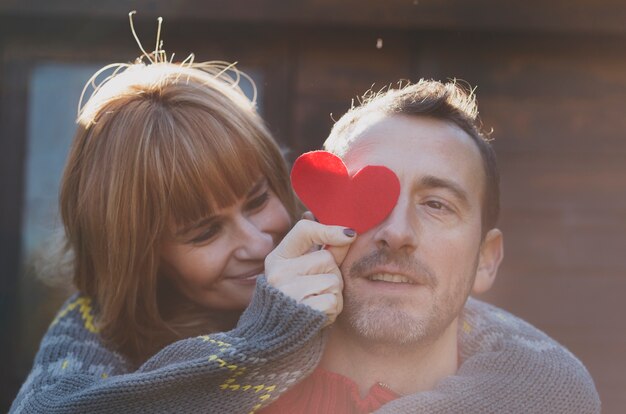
x,y
307,215
305,286
307,234
327,303
339,253
319,261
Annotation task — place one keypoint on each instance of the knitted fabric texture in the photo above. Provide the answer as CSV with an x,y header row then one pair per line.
x,y
508,366
275,343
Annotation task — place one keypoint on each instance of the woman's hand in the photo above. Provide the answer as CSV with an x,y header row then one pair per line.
x,y
308,275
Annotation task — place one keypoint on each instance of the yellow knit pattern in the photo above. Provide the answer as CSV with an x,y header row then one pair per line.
x,y
467,328
231,384
85,309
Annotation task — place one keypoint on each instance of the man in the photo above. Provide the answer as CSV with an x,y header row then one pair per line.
x,y
408,337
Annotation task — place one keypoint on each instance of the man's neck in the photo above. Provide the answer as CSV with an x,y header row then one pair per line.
x,y
404,369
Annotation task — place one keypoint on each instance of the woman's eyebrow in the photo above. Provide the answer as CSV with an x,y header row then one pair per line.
x,y
256,187
198,224
207,220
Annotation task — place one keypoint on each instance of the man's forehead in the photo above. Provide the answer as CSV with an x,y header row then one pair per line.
x,y
359,151
339,143
415,147
373,136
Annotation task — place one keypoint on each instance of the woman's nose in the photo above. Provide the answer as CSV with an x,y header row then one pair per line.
x,y
253,242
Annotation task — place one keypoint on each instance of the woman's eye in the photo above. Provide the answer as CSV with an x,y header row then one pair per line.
x,y
207,234
258,202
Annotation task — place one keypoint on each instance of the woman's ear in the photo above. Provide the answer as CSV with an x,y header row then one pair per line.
x,y
491,254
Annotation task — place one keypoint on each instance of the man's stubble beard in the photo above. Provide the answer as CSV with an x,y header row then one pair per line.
x,y
382,321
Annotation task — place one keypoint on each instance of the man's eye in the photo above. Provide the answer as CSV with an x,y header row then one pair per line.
x,y
258,202
437,205
207,234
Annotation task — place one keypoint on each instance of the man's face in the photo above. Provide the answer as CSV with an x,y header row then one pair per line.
x,y
407,279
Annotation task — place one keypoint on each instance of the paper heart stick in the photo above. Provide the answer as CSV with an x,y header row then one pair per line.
x,y
321,181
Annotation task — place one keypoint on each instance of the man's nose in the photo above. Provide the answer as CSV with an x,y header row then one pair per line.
x,y
400,229
252,242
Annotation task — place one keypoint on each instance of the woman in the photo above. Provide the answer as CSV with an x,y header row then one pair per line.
x,y
173,195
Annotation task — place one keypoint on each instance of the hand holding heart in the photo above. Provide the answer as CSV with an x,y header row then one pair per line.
x,y
361,201
310,277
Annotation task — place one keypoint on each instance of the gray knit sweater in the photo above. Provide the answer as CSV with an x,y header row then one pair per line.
x,y
275,343
507,366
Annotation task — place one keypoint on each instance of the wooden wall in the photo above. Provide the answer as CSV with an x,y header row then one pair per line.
x,y
550,82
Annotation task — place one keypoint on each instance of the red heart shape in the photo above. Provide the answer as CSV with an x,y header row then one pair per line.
x,y
321,181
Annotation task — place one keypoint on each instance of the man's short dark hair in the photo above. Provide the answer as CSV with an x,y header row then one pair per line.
x,y
449,102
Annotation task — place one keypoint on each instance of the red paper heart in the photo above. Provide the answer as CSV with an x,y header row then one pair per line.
x,y
361,202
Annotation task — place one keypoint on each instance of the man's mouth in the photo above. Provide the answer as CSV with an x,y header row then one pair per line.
x,y
390,277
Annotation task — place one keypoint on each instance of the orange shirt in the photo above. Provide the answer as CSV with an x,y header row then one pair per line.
x,y
328,392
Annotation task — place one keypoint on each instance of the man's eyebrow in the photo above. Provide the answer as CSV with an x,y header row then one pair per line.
x,y
431,181
207,220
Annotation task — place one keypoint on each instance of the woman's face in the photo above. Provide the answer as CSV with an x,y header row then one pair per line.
x,y
216,261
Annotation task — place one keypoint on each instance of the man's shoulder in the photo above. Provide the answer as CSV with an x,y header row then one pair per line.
x,y
512,349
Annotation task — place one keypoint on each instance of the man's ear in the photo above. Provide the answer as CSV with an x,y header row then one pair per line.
x,y
491,254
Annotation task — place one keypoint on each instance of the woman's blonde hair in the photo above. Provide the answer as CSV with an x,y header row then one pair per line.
x,y
157,145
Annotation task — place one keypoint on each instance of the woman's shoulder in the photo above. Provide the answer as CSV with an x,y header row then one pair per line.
x,y
76,319
482,319
74,334
508,349
79,312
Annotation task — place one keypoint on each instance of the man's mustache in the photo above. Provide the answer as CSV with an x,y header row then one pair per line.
x,y
406,263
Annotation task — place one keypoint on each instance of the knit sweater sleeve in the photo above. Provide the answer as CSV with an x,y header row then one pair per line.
x,y
506,366
276,342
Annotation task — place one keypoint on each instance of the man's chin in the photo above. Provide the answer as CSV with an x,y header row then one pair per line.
x,y
384,326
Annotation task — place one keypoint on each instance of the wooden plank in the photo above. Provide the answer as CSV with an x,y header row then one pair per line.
x,y
325,69
585,302
517,65
571,127
328,79
516,15
577,184
541,241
